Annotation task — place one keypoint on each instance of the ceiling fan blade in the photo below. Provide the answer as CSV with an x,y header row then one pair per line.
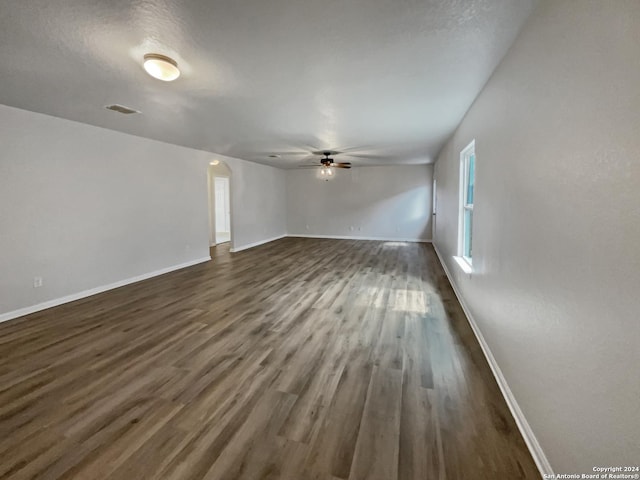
x,y
341,165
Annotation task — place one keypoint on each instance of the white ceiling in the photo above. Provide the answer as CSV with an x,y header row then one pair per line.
x,y
387,80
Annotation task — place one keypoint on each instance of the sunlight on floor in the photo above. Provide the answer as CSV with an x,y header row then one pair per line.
x,y
414,301
395,244
400,300
371,296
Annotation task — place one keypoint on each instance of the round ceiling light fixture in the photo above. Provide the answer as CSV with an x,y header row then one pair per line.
x,y
214,162
161,67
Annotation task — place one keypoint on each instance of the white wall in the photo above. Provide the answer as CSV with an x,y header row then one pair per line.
x,y
557,228
84,207
367,202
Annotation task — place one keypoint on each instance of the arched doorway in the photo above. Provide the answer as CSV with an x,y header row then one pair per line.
x,y
220,224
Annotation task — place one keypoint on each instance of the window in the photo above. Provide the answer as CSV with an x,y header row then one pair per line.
x,y
467,183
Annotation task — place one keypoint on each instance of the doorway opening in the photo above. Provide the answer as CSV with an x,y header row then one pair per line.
x,y
223,214
220,225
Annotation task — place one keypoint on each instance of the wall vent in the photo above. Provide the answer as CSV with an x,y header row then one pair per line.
x,y
121,109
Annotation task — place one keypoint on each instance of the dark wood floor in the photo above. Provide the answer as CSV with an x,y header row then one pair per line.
x,y
300,359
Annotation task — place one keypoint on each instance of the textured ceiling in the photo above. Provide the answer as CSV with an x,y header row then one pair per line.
x,y
386,81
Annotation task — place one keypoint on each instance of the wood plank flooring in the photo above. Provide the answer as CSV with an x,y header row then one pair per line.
x,y
301,359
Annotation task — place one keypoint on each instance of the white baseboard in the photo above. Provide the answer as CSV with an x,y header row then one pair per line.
x,y
255,244
529,437
348,237
93,291
336,237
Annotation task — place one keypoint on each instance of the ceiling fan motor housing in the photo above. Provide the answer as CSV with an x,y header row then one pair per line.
x,y
326,160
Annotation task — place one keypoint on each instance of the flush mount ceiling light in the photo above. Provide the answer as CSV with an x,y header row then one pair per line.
x,y
161,67
214,162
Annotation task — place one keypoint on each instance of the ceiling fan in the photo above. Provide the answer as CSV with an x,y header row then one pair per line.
x,y
327,164
304,154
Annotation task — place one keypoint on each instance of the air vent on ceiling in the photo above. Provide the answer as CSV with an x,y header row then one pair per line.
x,y
121,109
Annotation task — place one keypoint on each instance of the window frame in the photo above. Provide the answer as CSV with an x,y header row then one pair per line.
x,y
465,252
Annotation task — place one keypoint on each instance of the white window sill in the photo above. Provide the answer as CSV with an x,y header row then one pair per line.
x,y
464,265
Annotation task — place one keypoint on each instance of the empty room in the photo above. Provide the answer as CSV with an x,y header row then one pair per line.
x,y
319,240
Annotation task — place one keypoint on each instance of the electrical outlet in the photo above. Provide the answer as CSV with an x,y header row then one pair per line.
x,y
307,227
187,248
351,228
37,282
